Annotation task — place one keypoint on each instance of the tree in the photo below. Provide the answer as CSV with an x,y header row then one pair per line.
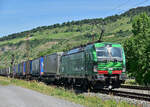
x,y
140,24
137,49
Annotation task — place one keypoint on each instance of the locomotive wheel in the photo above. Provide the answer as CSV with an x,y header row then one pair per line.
x,y
85,85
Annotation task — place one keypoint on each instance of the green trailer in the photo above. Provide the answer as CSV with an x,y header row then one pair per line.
x,y
96,65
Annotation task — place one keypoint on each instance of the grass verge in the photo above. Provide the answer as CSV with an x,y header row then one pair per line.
x,y
131,82
88,101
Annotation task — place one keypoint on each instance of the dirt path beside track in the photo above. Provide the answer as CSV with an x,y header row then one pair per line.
x,y
12,96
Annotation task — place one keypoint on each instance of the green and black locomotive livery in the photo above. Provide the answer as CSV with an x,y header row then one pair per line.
x,y
97,65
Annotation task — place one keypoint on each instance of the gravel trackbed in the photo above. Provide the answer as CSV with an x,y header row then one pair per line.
x,y
12,96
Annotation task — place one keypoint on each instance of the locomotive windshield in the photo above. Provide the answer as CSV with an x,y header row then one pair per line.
x,y
102,52
114,52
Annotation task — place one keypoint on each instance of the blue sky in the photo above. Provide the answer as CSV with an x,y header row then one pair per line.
x,y
21,15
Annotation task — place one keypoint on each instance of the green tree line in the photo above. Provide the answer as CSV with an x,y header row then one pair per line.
x,y
137,49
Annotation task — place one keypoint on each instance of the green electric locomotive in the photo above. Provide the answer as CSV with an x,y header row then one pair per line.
x,y
97,65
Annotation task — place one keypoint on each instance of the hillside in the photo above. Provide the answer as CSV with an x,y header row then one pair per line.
x,y
61,37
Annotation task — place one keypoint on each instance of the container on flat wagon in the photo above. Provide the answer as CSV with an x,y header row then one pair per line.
x,y
52,63
11,70
24,68
2,71
6,71
21,68
28,67
35,67
15,70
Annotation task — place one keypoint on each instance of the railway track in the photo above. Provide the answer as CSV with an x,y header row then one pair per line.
x,y
135,87
132,95
121,93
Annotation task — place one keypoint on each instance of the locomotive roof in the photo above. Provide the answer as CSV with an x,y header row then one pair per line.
x,y
82,47
107,43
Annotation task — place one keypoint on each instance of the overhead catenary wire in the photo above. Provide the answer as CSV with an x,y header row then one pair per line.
x,y
140,3
135,5
120,6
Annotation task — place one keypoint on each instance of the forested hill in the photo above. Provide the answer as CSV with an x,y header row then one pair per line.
x,y
61,37
109,19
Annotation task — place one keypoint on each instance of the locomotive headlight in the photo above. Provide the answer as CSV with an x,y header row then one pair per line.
x,y
124,70
110,68
95,68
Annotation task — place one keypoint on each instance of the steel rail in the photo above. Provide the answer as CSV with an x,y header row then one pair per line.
x,y
135,87
133,95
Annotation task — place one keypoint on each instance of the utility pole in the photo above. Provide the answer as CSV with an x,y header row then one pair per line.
x,y
12,64
12,59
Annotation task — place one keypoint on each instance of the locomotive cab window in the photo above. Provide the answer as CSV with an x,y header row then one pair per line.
x,y
109,52
102,52
116,52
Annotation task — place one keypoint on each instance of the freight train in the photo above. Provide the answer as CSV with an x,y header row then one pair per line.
x,y
97,65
